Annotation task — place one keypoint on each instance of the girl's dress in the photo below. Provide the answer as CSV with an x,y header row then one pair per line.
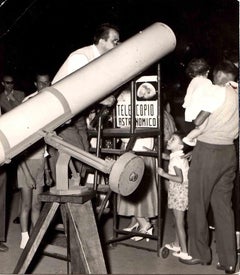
x,y
178,192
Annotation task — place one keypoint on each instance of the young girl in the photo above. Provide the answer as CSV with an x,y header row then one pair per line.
x,y
177,192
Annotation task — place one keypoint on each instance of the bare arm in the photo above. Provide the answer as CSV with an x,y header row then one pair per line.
x,y
202,116
177,178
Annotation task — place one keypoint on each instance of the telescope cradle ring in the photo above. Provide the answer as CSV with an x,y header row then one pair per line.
x,y
126,174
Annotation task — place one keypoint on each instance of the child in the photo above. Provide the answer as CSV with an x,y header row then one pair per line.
x,y
198,97
177,192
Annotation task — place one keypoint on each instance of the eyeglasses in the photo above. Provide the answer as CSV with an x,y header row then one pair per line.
x,y
9,82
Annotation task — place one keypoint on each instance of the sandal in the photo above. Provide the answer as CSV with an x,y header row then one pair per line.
x,y
148,229
132,228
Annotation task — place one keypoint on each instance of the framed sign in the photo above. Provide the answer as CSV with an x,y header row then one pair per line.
x,y
146,89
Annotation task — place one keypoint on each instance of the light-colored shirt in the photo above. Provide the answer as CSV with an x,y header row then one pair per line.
x,y
201,96
223,124
76,60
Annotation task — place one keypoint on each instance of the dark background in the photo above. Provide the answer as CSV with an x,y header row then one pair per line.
x,y
40,34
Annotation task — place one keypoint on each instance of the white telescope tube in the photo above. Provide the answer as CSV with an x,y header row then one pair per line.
x,y
23,125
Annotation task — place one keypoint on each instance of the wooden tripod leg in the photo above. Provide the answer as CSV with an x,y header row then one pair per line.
x,y
66,232
86,251
104,204
36,237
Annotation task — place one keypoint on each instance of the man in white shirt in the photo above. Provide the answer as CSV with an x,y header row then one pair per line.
x,y
106,38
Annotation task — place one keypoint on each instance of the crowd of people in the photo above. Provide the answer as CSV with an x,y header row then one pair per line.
x,y
193,182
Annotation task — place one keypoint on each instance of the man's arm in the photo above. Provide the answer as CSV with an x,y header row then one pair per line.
x,y
202,116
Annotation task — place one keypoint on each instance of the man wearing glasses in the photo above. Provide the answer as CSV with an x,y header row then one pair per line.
x,y
10,98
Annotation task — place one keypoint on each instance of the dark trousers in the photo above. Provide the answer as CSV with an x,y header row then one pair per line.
x,y
211,177
75,137
3,183
236,191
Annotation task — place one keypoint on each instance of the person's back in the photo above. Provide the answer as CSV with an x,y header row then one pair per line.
x,y
76,60
198,89
222,126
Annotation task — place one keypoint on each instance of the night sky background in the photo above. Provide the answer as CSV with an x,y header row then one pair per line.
x,y
39,34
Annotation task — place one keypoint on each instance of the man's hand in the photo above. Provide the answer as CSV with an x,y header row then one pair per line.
x,y
109,101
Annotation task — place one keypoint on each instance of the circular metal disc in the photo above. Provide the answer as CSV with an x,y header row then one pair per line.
x,y
126,174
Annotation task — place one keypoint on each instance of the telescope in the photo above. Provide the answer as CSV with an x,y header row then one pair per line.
x,y
40,115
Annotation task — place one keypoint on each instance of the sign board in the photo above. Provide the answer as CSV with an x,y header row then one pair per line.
x,y
146,89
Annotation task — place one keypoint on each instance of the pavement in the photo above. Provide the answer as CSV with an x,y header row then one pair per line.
x,y
126,257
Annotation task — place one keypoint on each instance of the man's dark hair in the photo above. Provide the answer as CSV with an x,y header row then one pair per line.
x,y
8,74
42,72
227,67
102,32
